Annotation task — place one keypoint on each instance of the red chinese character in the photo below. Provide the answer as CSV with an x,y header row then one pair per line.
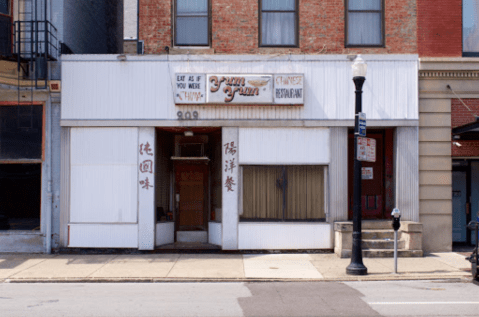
x,y
229,183
146,166
230,148
145,147
146,184
230,166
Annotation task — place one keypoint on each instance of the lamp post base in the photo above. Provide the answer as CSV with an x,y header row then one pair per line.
x,y
356,269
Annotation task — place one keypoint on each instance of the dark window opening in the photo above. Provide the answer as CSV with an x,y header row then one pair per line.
x,y
20,200
191,150
21,130
5,7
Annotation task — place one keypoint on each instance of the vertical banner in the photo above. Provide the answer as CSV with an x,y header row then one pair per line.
x,y
230,184
146,189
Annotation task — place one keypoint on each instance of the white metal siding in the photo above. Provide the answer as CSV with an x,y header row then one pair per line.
x,y
165,233
257,236
407,172
214,233
141,87
284,146
104,175
103,236
338,174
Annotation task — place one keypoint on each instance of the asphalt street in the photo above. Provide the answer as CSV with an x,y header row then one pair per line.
x,y
367,298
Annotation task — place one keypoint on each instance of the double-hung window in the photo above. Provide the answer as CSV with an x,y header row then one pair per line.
x,y
364,23
470,27
192,23
278,23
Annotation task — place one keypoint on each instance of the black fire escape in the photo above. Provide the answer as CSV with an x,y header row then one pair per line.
x,y
34,42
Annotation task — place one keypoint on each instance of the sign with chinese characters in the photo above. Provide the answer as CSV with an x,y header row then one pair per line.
x,y
366,173
366,149
189,88
145,165
230,165
288,89
239,89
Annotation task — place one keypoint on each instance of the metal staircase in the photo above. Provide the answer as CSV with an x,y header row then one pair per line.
x,y
35,42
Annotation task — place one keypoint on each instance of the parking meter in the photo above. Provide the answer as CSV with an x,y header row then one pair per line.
x,y
396,214
396,219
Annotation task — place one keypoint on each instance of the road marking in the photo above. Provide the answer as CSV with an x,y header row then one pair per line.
x,y
423,303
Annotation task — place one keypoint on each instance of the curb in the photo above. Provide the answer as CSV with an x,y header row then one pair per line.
x,y
451,278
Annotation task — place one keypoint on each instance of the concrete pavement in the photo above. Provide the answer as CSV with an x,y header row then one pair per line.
x,y
222,267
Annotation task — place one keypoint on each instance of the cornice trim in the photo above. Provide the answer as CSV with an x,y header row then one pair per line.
x,y
448,74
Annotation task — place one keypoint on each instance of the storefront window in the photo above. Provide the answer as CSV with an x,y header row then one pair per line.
x,y
283,193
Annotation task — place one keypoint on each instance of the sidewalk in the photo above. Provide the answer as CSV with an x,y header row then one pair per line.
x,y
222,267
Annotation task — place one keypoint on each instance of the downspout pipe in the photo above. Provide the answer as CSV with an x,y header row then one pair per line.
x,y
48,161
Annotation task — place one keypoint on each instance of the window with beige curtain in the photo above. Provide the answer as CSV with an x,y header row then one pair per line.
x,y
283,193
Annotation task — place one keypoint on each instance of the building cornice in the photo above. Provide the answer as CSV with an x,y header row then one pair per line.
x,y
449,74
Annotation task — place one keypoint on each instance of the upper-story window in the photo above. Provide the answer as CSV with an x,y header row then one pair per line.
x,y
192,23
278,23
364,23
4,7
470,27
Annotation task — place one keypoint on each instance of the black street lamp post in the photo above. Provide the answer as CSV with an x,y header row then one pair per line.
x,y
356,267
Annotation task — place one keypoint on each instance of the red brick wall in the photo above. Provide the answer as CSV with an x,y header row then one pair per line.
x,y
321,27
439,27
460,116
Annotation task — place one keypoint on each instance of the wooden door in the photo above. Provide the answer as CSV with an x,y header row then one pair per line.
x,y
192,188
373,186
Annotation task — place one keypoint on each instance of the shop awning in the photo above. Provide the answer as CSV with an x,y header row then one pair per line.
x,y
469,131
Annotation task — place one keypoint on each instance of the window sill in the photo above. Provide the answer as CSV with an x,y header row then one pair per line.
x,y
191,50
19,232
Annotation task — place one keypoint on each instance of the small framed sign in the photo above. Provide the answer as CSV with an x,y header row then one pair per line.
x,y
189,88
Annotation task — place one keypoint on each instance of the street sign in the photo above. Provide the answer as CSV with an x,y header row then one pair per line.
x,y
366,149
361,124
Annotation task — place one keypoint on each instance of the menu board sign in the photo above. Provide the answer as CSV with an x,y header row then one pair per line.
x,y
262,89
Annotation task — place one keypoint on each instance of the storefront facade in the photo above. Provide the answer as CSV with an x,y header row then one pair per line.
x,y
147,162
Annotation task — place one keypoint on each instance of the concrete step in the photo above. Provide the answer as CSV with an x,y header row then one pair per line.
x,y
374,244
376,224
377,234
382,253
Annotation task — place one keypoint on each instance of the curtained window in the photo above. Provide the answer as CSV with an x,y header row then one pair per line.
x,y
191,23
283,193
364,20
278,26
470,27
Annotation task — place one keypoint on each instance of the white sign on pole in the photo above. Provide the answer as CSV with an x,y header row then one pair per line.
x,y
366,173
366,149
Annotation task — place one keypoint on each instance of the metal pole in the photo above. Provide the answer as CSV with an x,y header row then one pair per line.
x,y
395,251
356,267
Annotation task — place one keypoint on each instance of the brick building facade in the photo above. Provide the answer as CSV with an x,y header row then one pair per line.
x,y
447,87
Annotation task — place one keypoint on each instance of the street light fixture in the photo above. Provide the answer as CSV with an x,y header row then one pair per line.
x,y
356,267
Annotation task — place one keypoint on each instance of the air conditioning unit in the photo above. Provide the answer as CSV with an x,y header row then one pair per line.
x,y
140,47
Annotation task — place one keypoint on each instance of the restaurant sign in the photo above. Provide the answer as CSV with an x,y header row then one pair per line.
x,y
239,89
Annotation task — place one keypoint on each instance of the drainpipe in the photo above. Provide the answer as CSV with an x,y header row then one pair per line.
x,y
48,160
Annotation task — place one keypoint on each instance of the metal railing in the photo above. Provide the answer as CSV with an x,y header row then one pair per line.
x,y
35,43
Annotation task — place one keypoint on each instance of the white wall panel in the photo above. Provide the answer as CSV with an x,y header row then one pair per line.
x,y
103,175
284,146
146,188
101,87
407,172
103,236
257,236
165,233
338,174
214,233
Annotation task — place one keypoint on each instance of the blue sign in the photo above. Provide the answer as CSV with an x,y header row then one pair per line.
x,y
361,124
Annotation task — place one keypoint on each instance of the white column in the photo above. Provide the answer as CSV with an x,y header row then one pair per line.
x,y
338,174
146,188
230,185
407,172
